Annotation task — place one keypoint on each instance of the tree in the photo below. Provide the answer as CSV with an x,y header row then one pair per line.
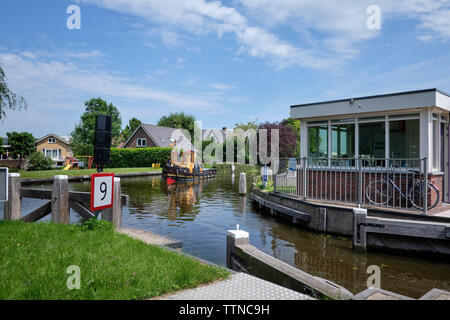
x,y
38,161
8,99
295,125
179,120
83,135
133,124
1,146
22,144
246,126
288,138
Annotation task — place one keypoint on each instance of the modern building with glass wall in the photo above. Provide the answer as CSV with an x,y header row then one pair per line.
x,y
406,126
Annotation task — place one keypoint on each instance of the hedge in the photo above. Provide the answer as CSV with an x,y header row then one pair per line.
x,y
135,158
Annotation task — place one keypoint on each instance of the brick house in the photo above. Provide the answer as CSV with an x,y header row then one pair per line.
x,y
407,129
149,135
55,147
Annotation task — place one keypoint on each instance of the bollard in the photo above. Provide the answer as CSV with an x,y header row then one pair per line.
x,y
60,200
235,238
242,184
13,207
359,234
114,214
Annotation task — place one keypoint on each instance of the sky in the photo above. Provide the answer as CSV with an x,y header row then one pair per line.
x,y
222,61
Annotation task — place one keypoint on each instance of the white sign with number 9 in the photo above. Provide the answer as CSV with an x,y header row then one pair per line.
x,y
102,191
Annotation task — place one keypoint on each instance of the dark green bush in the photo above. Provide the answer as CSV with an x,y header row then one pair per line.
x,y
38,161
96,224
140,157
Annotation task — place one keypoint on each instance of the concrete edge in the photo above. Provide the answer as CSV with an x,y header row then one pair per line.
x,y
364,295
433,294
170,242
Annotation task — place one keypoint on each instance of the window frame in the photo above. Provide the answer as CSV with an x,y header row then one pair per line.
x,y
140,144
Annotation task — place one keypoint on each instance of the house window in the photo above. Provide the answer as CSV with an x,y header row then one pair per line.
x,y
318,141
372,140
141,142
51,140
48,153
404,139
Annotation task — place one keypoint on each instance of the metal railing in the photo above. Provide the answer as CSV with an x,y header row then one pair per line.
x,y
391,183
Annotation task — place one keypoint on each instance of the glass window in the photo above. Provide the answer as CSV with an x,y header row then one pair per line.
x,y
343,141
54,154
141,142
372,140
318,142
48,153
436,134
404,139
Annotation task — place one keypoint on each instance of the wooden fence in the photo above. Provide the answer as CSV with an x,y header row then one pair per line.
x,y
61,200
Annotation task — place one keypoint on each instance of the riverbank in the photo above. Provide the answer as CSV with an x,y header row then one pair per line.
x,y
112,265
80,173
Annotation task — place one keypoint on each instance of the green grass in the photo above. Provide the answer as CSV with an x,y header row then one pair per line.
x,y
34,258
82,172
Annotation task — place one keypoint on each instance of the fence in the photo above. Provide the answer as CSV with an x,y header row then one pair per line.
x,y
392,183
61,200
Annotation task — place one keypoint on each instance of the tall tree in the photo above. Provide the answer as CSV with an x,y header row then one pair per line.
x,y
133,124
249,125
288,138
1,146
8,99
295,125
22,144
179,120
83,135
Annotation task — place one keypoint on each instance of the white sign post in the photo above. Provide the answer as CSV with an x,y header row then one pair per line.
x,y
3,184
102,186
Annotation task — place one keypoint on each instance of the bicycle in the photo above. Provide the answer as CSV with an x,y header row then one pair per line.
x,y
381,191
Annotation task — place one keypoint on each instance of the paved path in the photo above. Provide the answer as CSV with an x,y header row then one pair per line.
x,y
239,286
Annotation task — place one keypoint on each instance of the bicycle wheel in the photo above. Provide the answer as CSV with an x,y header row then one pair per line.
x,y
416,195
379,192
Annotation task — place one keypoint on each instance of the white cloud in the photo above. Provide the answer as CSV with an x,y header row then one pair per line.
x,y
201,17
220,86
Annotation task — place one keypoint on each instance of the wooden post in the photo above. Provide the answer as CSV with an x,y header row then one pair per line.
x,y
114,214
242,184
13,207
60,200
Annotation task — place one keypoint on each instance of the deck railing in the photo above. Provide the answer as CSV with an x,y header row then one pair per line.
x,y
391,183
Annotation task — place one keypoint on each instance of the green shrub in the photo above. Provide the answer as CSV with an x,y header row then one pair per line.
x,y
38,161
136,158
97,225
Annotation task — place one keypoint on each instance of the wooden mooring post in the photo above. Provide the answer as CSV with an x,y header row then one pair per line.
x,y
114,214
12,209
60,200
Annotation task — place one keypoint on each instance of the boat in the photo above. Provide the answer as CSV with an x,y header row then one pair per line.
x,y
182,166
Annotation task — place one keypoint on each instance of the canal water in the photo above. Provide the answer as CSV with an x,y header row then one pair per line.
x,y
200,213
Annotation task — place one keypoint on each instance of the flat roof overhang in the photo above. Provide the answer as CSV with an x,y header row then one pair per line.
x,y
369,104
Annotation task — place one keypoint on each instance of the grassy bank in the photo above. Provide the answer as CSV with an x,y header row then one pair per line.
x,y
238,168
82,172
34,258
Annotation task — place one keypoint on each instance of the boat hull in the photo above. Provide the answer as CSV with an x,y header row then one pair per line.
x,y
183,174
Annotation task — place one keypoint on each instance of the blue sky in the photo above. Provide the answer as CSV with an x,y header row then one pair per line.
x,y
221,61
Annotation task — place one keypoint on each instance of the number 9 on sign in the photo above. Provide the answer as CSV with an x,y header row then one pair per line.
x,y
102,186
